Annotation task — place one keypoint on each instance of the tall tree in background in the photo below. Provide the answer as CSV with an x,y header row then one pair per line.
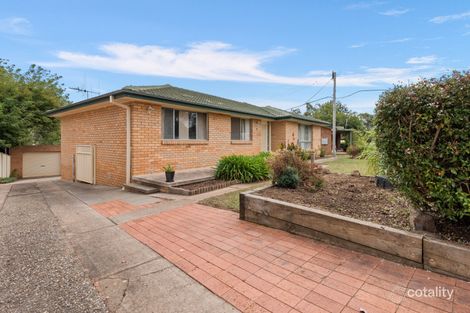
x,y
25,96
344,117
367,119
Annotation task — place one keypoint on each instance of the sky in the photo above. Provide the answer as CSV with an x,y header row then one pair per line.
x,y
278,53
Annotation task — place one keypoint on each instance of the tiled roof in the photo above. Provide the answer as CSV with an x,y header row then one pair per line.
x,y
190,97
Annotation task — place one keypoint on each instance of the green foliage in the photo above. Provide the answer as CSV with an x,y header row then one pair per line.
x,y
24,99
289,178
322,152
344,117
367,120
366,142
168,168
307,171
6,180
423,135
243,168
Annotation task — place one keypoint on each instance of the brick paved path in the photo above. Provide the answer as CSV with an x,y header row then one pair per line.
x,y
258,269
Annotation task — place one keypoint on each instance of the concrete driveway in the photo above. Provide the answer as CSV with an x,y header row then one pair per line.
x,y
61,250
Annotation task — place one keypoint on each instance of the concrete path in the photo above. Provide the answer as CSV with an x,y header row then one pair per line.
x,y
39,270
128,275
259,269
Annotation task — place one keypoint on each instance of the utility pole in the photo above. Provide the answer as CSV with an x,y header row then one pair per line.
x,y
333,76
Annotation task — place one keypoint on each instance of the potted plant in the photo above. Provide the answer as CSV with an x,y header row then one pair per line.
x,y
169,173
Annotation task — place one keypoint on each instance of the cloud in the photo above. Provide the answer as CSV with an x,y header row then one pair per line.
x,y
364,5
217,61
15,26
399,40
395,12
357,45
447,18
428,59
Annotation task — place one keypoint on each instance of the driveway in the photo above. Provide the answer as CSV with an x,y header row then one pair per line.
x,y
59,254
68,247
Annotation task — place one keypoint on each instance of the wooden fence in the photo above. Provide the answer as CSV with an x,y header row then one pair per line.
x,y
4,165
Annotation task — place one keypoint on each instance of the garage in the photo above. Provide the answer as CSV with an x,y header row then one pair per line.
x,y
35,161
39,164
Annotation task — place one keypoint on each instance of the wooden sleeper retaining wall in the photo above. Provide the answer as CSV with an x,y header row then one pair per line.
x,y
393,244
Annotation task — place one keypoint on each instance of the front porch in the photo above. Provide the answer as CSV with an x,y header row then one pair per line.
x,y
156,182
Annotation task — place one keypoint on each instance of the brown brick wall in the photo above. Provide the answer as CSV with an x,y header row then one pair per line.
x,y
104,128
16,155
150,152
327,133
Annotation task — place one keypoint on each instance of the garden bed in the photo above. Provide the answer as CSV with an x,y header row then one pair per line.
x,y
201,187
275,208
358,197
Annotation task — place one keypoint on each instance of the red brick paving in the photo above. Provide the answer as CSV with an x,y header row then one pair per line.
x,y
117,207
259,269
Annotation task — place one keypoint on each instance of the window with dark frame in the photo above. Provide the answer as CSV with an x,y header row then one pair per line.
x,y
177,124
241,129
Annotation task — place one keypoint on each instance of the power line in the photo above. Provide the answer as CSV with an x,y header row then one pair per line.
x,y
320,90
309,99
342,97
362,90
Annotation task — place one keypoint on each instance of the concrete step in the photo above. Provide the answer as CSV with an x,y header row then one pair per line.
x,y
133,187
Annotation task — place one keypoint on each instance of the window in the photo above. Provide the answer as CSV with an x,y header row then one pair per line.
x,y
241,129
305,137
178,124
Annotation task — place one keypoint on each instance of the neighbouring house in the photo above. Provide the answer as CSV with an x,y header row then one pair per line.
x,y
138,130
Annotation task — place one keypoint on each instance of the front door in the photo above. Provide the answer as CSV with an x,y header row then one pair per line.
x,y
265,136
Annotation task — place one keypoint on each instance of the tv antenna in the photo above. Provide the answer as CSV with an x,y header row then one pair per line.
x,y
85,91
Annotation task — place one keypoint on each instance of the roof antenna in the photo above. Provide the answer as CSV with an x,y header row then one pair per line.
x,y
85,91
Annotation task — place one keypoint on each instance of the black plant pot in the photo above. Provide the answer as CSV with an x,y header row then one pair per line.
x,y
170,176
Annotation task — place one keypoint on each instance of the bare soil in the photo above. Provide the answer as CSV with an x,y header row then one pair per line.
x,y
358,197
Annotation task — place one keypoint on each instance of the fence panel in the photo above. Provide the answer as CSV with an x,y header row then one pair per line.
x,y
4,165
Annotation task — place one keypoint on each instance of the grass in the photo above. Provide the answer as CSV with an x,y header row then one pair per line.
x,y
345,165
7,180
227,201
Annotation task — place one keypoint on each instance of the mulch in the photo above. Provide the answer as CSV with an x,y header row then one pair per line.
x,y
358,197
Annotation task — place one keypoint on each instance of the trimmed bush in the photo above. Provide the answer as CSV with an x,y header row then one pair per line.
x,y
423,136
243,168
289,178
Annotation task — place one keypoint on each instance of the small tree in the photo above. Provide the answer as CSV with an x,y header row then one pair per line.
x,y
423,135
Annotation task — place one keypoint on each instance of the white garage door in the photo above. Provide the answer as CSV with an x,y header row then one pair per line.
x,y
37,164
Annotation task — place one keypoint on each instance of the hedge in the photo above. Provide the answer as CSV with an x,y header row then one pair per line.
x,y
423,136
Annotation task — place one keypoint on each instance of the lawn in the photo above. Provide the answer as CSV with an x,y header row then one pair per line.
x,y
345,165
228,201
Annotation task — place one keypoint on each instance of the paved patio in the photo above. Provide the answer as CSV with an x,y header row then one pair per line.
x,y
258,269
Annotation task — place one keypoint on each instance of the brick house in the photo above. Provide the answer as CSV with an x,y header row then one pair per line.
x,y
138,130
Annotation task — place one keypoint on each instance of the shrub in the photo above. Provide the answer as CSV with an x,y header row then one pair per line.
x,y
322,152
289,178
353,151
308,172
369,152
423,136
302,153
243,168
